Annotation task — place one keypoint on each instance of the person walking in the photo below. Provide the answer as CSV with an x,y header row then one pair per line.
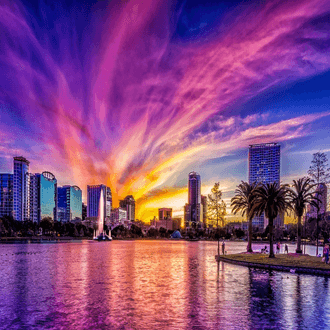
x,y
286,249
278,247
223,247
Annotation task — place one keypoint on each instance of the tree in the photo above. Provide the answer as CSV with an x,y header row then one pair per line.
x,y
243,202
319,172
216,207
271,198
299,197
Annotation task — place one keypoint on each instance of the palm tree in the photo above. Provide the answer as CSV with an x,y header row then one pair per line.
x,y
299,198
271,198
243,202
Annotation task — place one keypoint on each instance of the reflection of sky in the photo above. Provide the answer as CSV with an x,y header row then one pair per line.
x,y
136,95
151,285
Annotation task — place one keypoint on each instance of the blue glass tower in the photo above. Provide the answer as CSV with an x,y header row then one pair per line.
x,y
69,203
264,167
43,196
6,194
21,189
93,200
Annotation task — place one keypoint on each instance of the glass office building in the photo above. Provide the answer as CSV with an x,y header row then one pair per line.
x,y
43,196
21,189
264,167
6,194
69,203
93,200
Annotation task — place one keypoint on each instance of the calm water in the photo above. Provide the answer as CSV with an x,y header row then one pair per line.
x,y
151,285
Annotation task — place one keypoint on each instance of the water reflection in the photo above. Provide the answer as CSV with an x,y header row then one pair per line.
x,y
151,285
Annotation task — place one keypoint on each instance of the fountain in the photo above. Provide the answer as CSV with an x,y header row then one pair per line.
x,y
100,235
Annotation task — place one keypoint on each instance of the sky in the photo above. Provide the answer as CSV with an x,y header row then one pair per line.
x,y
137,94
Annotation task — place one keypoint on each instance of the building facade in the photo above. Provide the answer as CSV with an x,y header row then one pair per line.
x,y
6,194
164,214
193,207
21,189
264,167
118,215
69,203
129,205
93,200
43,196
322,194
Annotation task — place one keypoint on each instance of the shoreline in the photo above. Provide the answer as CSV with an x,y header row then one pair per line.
x,y
292,262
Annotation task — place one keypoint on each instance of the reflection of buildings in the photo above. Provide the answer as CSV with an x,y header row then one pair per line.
x,y
93,200
264,167
21,189
192,210
129,205
6,194
43,196
69,203
321,194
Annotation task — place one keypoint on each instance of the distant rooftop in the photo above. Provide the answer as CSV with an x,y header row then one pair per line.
x,y
21,159
263,145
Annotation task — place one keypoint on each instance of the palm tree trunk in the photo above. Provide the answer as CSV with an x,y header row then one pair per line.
x,y
271,245
249,247
299,250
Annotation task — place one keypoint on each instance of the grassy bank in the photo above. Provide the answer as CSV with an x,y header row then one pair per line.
x,y
282,262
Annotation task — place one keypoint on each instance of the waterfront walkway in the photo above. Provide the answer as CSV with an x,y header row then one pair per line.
x,y
292,262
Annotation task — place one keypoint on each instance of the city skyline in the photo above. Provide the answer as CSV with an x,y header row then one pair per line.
x,y
135,96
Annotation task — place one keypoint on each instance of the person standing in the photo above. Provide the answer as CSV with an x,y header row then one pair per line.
x,y
326,254
286,249
223,247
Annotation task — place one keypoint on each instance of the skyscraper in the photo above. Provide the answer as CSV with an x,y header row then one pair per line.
x,y
69,203
129,205
6,194
93,200
193,208
43,196
21,189
322,194
264,167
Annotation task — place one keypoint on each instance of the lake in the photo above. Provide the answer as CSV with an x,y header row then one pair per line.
x,y
157,284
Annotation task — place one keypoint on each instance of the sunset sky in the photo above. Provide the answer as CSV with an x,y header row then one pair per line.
x,y
136,94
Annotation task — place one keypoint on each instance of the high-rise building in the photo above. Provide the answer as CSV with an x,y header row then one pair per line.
x,y
193,208
69,203
6,194
21,189
129,205
322,194
34,197
264,167
43,196
204,210
93,200
118,215
84,211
